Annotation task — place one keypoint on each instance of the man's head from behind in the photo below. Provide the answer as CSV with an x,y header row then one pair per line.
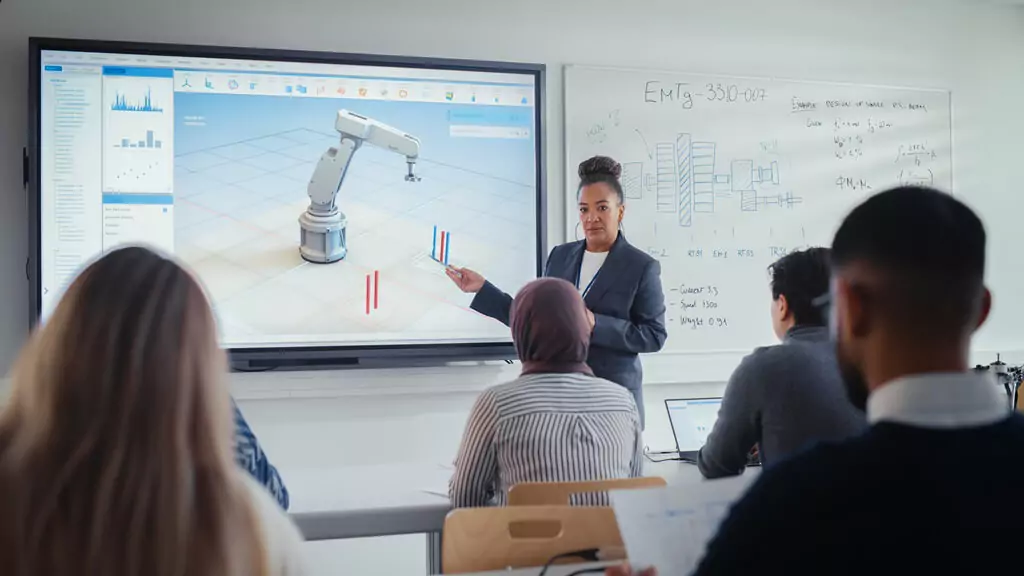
x,y
797,279
908,291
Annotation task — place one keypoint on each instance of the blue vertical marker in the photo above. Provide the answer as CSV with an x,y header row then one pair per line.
x,y
433,251
447,247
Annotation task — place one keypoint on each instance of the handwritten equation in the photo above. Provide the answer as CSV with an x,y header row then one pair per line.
x,y
857,137
697,306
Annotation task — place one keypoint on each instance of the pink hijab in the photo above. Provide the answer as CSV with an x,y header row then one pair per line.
x,y
550,328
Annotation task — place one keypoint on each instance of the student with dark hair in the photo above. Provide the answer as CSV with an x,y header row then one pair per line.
x,y
783,398
931,487
620,284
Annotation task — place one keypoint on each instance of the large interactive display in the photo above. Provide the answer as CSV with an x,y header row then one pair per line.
x,y
317,197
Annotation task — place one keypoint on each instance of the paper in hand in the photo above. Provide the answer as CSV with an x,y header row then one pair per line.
x,y
669,528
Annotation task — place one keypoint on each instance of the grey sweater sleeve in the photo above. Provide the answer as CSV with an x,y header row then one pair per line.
x,y
738,427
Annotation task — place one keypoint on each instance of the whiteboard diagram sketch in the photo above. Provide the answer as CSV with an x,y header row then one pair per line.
x,y
688,184
723,175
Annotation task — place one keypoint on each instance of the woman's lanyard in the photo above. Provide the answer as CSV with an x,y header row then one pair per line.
x,y
579,272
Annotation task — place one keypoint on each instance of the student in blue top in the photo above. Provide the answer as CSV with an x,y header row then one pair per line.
x,y
250,456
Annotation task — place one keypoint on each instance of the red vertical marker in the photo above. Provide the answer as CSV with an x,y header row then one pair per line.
x,y
444,237
367,294
376,289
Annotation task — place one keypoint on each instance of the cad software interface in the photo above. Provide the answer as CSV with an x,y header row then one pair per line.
x,y
211,160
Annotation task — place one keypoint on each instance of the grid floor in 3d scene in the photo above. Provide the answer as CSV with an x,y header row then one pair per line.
x,y
236,225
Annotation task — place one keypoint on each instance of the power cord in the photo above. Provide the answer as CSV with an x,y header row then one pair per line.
x,y
650,455
586,571
587,555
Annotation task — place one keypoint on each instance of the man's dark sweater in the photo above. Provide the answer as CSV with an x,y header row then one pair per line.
x,y
782,398
897,500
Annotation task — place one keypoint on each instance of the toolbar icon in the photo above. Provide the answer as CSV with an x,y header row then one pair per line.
x,y
252,85
209,85
185,84
403,93
362,91
233,84
301,89
449,96
341,91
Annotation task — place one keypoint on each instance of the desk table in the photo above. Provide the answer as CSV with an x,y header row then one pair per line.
x,y
560,570
371,500
394,499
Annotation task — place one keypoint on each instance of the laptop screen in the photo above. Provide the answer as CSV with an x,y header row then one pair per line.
x,y
692,420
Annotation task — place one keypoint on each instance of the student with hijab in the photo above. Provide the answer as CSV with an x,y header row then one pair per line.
x,y
557,422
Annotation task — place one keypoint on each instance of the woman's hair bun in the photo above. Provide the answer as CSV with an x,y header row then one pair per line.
x,y
598,166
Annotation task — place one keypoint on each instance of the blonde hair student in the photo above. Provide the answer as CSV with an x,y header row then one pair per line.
x,y
115,446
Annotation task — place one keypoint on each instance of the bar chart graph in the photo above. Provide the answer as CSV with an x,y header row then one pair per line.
x,y
123,103
138,135
137,158
441,255
148,142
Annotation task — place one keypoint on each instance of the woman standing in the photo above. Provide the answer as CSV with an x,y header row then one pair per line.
x,y
620,284
115,447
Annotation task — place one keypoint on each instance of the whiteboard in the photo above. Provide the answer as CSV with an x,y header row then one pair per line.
x,y
724,175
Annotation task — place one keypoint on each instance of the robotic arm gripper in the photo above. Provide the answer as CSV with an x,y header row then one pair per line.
x,y
322,225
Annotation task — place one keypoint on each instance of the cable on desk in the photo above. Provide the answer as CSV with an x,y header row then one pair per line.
x,y
587,555
648,453
587,571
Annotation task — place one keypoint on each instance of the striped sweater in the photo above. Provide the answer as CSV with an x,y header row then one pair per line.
x,y
547,428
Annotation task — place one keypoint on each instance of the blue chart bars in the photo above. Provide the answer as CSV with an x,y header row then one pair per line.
x,y
121,103
446,241
149,142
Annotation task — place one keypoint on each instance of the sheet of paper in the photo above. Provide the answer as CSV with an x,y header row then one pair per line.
x,y
437,484
669,528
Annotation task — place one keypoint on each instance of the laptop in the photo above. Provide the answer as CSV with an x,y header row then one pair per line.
x,y
692,420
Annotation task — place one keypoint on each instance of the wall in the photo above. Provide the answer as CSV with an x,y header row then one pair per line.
x,y
972,48
967,46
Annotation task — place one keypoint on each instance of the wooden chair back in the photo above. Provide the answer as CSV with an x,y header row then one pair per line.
x,y
488,539
560,493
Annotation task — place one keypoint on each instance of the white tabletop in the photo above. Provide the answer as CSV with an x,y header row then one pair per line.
x,y
367,486
369,500
409,485
389,499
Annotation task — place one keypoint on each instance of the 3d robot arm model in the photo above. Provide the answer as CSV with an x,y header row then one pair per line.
x,y
322,225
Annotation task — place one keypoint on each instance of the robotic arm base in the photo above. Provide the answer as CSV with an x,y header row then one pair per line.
x,y
322,237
